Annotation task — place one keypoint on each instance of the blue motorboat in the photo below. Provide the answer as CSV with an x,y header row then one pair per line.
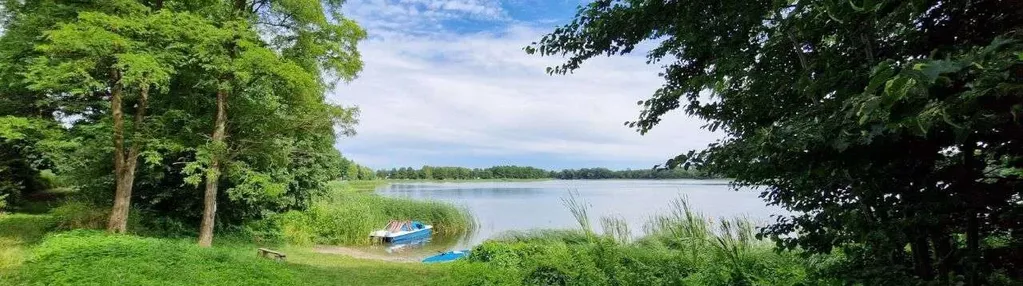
x,y
447,256
403,232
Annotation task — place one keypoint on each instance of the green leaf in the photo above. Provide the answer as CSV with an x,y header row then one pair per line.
x,y
899,87
932,69
879,75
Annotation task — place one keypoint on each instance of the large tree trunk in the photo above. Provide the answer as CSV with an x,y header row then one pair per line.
x,y
213,175
219,130
118,221
124,162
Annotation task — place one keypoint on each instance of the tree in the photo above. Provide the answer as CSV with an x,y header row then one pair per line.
x,y
427,173
274,60
888,127
306,37
107,55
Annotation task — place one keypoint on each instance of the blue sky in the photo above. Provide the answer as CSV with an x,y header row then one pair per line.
x,y
446,83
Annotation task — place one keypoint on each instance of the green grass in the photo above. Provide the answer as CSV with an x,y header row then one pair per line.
x,y
358,186
347,215
682,248
95,258
17,233
31,253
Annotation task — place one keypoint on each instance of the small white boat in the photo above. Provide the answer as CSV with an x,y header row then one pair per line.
x,y
402,232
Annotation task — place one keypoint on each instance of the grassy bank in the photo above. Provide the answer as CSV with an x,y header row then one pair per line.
x,y
682,248
347,214
18,232
95,258
34,250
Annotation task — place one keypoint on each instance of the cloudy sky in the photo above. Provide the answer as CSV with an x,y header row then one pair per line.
x,y
446,83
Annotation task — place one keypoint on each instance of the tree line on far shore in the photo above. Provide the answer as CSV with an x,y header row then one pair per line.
x,y
521,172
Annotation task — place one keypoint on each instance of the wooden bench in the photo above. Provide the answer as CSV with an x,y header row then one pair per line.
x,y
267,253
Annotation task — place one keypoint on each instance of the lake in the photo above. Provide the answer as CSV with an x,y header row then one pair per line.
x,y
511,206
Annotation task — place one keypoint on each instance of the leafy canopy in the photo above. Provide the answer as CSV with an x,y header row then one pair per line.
x,y
889,128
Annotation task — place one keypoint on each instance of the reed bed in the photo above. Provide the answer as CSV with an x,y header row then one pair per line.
x,y
346,216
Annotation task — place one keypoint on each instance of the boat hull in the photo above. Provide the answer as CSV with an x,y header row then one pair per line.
x,y
447,256
409,237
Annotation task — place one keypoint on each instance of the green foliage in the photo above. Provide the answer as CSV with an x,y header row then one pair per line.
x,y
60,61
80,215
889,128
29,148
681,248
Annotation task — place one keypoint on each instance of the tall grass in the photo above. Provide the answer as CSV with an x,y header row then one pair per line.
x,y
579,209
681,247
346,216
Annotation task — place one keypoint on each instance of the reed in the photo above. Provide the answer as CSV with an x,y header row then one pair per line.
x,y
346,216
680,247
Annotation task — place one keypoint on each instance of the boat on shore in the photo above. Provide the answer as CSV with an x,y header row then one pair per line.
x,y
447,256
402,232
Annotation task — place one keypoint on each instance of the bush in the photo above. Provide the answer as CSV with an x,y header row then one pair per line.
x,y
48,180
3,202
297,228
80,215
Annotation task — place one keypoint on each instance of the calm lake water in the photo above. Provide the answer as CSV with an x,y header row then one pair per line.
x,y
516,206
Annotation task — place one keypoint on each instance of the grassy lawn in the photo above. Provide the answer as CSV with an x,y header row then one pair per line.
x,y
331,269
29,257
18,232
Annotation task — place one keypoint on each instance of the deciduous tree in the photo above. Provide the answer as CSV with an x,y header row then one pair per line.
x,y
889,128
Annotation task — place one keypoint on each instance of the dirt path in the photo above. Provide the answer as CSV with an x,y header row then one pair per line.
x,y
356,253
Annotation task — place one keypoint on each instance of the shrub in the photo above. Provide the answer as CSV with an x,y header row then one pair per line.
x,y
297,228
80,215
48,180
3,202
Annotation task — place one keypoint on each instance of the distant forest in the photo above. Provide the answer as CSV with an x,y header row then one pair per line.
x,y
520,172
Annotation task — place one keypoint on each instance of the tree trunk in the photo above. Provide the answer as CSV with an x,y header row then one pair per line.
x,y
219,130
969,190
213,175
118,221
124,162
922,256
943,255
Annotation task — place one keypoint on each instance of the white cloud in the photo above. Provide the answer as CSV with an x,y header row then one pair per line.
x,y
444,95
